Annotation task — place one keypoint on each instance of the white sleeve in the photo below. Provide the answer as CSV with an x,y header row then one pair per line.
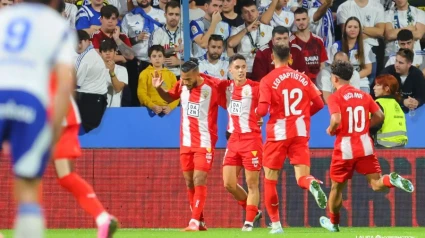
x,y
421,16
311,13
293,3
124,26
331,52
122,75
342,14
380,18
369,56
389,16
66,49
235,30
324,81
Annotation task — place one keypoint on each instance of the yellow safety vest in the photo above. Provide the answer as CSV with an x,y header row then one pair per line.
x,y
393,132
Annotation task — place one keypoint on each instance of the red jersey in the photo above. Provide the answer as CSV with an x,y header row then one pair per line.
x,y
99,36
241,104
289,94
314,53
199,108
352,135
73,115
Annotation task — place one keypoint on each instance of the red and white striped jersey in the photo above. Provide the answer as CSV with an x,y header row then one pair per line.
x,y
199,108
73,115
352,135
289,94
241,102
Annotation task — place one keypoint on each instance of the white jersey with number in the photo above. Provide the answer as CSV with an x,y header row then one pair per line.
x,y
33,39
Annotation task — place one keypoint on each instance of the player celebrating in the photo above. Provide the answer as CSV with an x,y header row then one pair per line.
x,y
32,45
199,95
244,148
293,99
353,150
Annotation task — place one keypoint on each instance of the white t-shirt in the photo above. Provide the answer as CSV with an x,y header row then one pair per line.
x,y
369,15
418,15
218,70
324,83
133,24
403,79
291,3
168,40
316,28
285,18
92,74
418,60
114,98
195,14
70,14
352,55
261,36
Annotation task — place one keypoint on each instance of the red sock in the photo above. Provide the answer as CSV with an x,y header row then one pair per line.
x,y
242,204
251,212
190,194
83,192
271,199
304,181
386,181
334,218
199,201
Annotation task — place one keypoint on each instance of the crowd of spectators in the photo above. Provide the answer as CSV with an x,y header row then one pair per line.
x,y
124,42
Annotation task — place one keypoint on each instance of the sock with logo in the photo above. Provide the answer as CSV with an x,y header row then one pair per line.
x,y
199,201
84,194
271,199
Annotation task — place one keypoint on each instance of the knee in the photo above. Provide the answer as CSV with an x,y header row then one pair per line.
x,y
230,186
336,188
252,183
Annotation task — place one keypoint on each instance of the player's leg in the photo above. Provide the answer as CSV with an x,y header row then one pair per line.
x,y
334,203
273,158
299,154
232,166
252,213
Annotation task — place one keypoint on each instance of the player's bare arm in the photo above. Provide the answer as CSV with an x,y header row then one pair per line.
x,y
335,122
157,82
377,118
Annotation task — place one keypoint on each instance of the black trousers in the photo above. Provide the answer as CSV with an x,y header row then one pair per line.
x,y
92,107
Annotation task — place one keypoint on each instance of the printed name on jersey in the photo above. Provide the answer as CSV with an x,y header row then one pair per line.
x,y
193,109
293,75
349,96
235,107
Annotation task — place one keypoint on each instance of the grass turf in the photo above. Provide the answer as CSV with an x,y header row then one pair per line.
x,y
349,232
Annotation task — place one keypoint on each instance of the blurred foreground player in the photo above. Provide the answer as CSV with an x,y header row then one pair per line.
x,y
32,45
66,150
293,99
245,146
199,95
350,109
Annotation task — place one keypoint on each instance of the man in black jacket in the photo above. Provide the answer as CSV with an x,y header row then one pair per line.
x,y
410,78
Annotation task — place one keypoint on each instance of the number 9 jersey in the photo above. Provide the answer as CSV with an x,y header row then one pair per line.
x,y
352,136
289,94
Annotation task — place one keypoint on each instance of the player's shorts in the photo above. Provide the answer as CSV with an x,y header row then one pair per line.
x,y
343,169
68,146
296,148
196,158
244,150
24,124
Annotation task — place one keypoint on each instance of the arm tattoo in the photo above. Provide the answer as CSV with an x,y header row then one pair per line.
x,y
126,51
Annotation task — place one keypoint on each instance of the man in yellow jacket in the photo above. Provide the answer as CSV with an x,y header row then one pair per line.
x,y
147,94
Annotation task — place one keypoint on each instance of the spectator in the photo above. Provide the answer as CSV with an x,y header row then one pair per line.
x,y
194,11
324,81
251,36
161,4
109,30
212,64
201,29
118,74
229,15
147,94
263,62
88,17
312,46
70,13
392,132
281,15
359,53
411,80
292,4
5,3
322,21
405,41
171,38
371,16
92,77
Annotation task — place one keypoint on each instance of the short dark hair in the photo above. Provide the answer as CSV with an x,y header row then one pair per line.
x,y
301,10
153,48
407,54
247,3
83,35
209,1
404,35
214,37
280,30
171,4
281,51
61,6
109,10
190,65
344,70
107,45
236,57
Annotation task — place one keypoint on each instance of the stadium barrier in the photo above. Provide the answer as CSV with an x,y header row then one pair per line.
x,y
145,188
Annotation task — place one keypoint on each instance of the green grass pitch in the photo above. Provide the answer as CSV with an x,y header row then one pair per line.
x,y
349,232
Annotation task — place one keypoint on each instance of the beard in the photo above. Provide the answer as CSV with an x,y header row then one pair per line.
x,y
213,56
143,5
